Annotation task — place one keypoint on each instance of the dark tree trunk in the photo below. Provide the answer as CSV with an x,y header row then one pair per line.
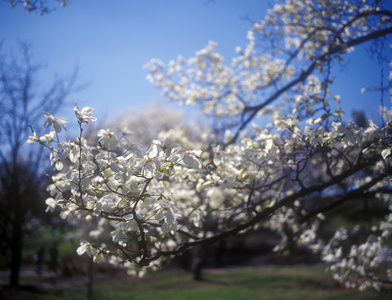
x,y
198,259
16,252
90,278
17,206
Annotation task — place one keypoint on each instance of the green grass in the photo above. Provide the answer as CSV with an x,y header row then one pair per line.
x,y
253,283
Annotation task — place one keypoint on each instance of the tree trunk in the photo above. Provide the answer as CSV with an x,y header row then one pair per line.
x,y
16,252
198,259
90,278
16,230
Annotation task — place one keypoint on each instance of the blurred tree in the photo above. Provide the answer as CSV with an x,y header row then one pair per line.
x,y
21,167
157,119
359,118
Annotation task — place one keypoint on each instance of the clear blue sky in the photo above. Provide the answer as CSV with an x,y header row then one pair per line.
x,y
110,41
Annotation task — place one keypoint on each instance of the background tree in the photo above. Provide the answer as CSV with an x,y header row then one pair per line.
x,y
22,168
288,175
144,124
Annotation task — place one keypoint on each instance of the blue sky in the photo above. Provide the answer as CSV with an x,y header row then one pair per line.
x,y
110,41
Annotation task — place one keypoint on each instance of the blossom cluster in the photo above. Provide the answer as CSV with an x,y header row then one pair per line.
x,y
159,198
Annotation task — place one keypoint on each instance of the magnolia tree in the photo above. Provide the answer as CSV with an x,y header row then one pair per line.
x,y
286,175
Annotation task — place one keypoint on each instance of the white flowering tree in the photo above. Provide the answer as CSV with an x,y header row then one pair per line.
x,y
286,175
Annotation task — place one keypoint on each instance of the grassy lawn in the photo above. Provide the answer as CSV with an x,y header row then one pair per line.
x,y
253,283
